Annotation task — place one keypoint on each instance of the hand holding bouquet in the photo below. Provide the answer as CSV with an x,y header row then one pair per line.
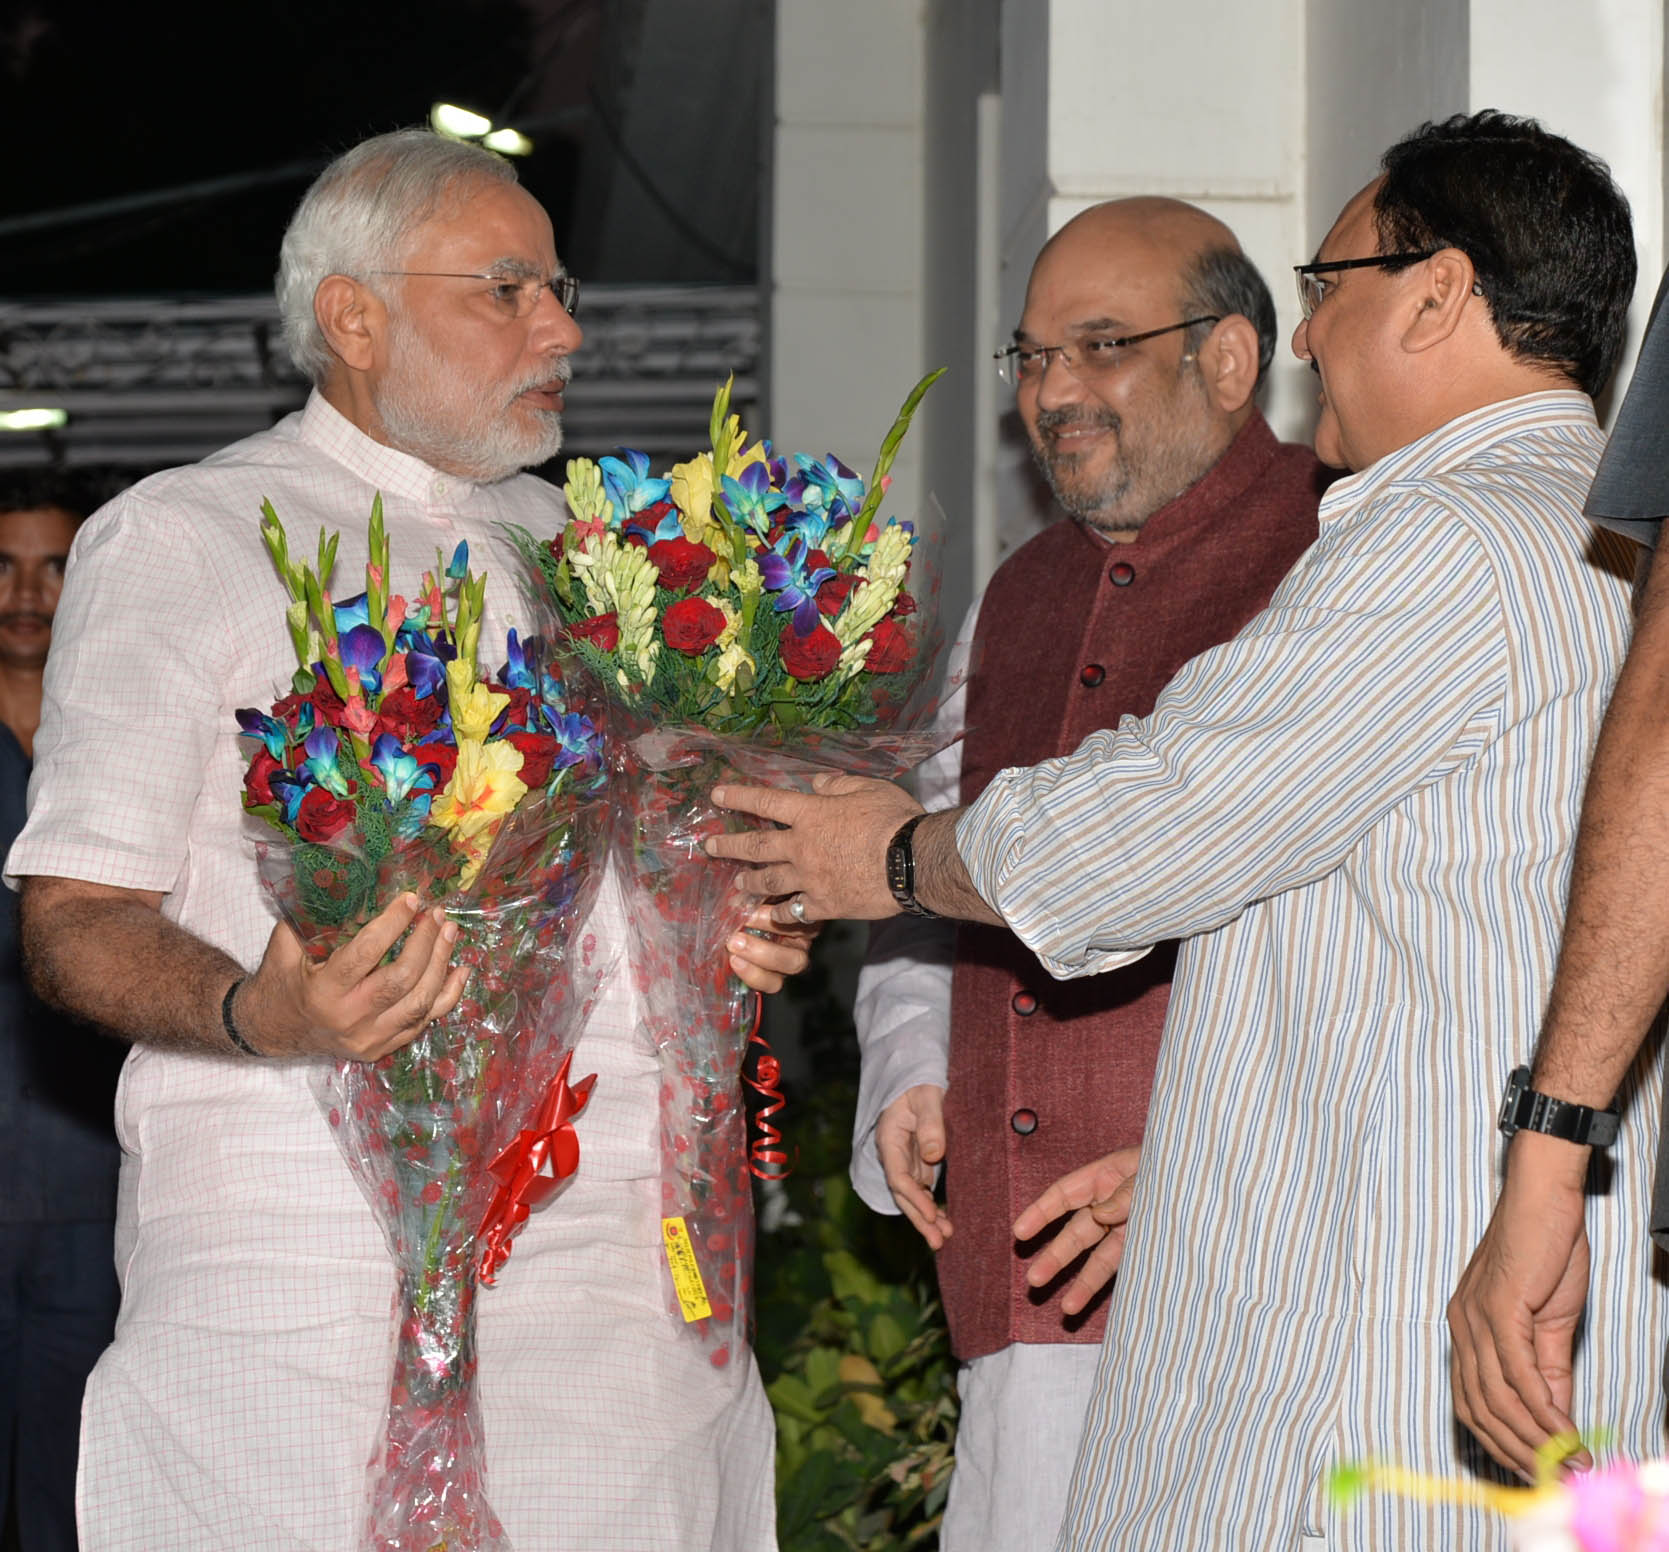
x,y
393,765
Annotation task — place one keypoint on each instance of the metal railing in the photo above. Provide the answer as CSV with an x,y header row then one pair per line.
x,y
149,382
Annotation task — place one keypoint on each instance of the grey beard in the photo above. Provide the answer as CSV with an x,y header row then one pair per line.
x,y
472,439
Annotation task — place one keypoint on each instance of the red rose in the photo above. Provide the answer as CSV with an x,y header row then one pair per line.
x,y
444,757
327,705
515,714
682,565
407,716
904,605
692,625
538,751
890,650
809,657
321,816
831,596
601,630
257,780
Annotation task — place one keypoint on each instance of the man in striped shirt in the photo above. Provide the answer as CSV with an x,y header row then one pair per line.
x,y
1360,813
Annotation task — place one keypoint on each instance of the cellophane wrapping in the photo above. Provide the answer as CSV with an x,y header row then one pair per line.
x,y
456,1136
682,908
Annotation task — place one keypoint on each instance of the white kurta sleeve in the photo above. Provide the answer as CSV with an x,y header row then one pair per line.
x,y
902,1011
141,648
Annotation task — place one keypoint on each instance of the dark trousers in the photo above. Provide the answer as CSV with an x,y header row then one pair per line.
x,y
58,1299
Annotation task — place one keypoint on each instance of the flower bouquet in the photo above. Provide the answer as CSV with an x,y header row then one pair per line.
x,y
393,766
746,614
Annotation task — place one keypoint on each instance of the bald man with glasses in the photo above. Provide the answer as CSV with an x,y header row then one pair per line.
x,y
1145,335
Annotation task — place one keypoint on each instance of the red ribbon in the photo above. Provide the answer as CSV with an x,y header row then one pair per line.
x,y
767,1159
540,1158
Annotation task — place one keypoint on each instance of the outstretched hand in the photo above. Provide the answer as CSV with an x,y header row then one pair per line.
x,y
1098,1197
353,1006
1514,1314
831,852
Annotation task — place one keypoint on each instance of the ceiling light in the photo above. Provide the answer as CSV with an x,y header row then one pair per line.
x,y
458,123
33,419
511,142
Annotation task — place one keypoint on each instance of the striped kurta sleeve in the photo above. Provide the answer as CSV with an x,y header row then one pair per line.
x,y
1378,667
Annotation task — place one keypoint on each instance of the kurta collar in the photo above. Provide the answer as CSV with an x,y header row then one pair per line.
x,y
387,468
1458,442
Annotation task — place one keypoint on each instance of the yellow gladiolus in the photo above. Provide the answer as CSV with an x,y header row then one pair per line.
x,y
484,788
474,707
692,494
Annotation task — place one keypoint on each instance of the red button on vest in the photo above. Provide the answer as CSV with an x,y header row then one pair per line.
x,y
1091,674
1024,1004
1024,1122
1122,573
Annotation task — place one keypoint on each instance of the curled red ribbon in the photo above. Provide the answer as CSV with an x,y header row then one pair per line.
x,y
540,1157
767,1159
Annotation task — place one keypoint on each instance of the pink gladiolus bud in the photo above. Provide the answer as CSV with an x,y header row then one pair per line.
x,y
396,612
373,575
394,676
351,674
360,720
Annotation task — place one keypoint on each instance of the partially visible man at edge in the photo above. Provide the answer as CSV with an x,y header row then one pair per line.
x,y
58,1154
421,289
1360,813
1517,1309
1145,334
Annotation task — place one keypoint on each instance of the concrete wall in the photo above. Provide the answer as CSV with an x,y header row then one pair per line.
x,y
1269,113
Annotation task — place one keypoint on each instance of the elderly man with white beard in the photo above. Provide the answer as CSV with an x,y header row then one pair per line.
x,y
422,292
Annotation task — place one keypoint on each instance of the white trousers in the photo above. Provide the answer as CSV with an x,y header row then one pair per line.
x,y
1022,1414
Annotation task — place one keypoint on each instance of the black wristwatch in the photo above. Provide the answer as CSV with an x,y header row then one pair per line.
x,y
1523,1109
901,870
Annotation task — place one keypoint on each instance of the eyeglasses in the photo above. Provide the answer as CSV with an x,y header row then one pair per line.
x,y
517,295
1086,359
1312,289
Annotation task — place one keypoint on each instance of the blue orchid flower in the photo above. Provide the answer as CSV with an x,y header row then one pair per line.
x,y
350,612
627,482
667,526
577,736
785,574
458,566
321,762
305,720
426,665
289,788
750,498
516,674
824,486
400,771
362,649
269,730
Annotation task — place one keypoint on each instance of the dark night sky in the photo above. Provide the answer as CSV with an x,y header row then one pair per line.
x,y
100,100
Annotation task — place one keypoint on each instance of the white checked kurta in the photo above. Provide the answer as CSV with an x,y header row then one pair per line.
x,y
244,1392
1361,812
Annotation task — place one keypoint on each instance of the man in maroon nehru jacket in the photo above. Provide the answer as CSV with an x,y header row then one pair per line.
x,y
1145,334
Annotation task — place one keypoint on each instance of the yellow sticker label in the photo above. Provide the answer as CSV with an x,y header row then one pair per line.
x,y
686,1275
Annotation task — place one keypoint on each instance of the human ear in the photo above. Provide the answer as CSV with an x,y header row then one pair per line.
x,y
1445,285
350,317
1229,363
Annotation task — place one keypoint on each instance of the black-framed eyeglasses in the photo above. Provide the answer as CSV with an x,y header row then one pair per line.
x,y
1093,356
518,295
1312,288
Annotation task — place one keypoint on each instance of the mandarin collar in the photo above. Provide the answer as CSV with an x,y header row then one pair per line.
x,y
324,427
1459,441
1242,463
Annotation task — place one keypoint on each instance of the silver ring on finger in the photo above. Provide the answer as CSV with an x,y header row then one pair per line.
x,y
797,909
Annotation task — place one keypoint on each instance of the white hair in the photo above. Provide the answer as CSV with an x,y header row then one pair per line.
x,y
358,217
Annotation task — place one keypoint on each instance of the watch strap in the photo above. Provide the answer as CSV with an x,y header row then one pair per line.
x,y
1524,1109
901,870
